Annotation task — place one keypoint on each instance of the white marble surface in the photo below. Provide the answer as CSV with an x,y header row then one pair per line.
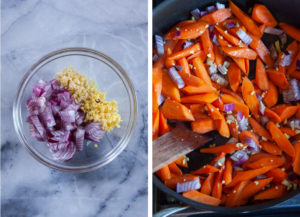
x,y
33,28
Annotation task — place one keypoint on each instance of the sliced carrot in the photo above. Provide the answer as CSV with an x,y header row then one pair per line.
x,y
247,175
230,38
288,131
178,46
157,83
255,157
172,182
293,65
182,161
268,161
222,41
175,169
296,164
247,66
155,124
164,173
250,97
293,47
222,127
175,28
245,19
202,198
175,110
193,90
198,111
207,186
271,96
217,158
207,45
199,54
163,125
290,30
240,52
203,125
169,89
259,129
217,16
230,92
281,139
271,193
189,31
253,187
295,74
234,30
217,187
278,78
238,106
270,148
262,29
186,75
235,198
241,64
214,113
285,111
261,14
200,98
277,174
219,58
170,45
234,131
200,70
234,76
227,148
206,169
219,104
185,52
261,77
227,176
244,135
272,115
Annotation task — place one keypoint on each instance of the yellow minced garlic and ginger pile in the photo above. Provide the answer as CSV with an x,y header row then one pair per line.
x,y
93,102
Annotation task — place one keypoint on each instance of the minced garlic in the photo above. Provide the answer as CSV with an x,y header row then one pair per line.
x,y
93,102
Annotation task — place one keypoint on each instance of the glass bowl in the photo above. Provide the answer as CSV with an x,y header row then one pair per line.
x,y
110,78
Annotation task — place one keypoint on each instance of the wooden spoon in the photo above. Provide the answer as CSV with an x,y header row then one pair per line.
x,y
180,141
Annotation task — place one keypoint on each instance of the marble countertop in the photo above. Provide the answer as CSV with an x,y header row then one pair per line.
x,y
33,28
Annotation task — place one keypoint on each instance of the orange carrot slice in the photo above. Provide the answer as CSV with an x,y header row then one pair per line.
x,y
214,113
194,90
172,182
164,173
268,161
241,64
285,111
207,45
272,115
290,30
217,16
202,198
227,176
235,197
278,78
169,89
174,169
207,186
227,148
261,14
296,166
249,96
200,70
240,52
270,148
185,52
238,106
232,39
203,125
253,187
271,193
217,187
182,161
206,169
175,110
277,174
258,129
261,77
271,97
200,98
157,83
163,125
219,58
222,127
155,124
234,76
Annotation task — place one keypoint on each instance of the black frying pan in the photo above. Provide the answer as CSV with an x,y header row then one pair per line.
x,y
170,12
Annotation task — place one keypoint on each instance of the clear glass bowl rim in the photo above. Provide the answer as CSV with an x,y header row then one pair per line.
x,y
27,76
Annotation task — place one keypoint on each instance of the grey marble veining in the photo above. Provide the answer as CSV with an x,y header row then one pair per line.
x,y
33,28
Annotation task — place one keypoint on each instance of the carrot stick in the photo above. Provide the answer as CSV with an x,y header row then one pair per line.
x,y
202,198
261,77
206,169
296,164
244,135
272,115
247,175
285,111
261,14
199,54
271,193
238,106
207,45
281,139
182,161
169,89
200,70
222,41
203,125
222,127
175,110
186,75
245,19
219,104
192,90
175,169
233,128
237,96
290,30
207,186
262,29
293,66
227,148
278,78
175,28
217,16
277,174
200,98
249,96
172,182
185,52
258,129
235,198
164,173
217,187
253,187
241,64
157,83
234,76
189,31
247,66
198,111
155,124
219,58
271,97
288,131
227,176
270,148
214,113
163,125
254,158
268,161
230,38
240,52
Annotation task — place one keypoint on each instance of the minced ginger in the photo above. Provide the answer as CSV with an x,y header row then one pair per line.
x,y
92,101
